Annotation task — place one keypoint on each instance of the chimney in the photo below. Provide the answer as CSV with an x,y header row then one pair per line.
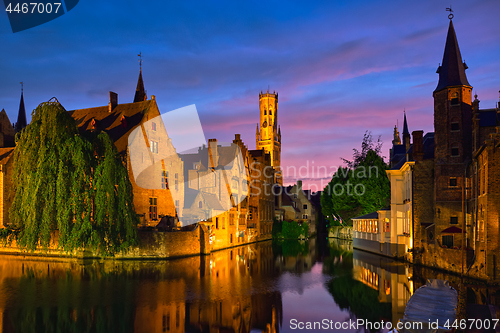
x,y
213,158
418,145
299,185
113,101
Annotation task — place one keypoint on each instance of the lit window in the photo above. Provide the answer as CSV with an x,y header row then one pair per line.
x,y
154,147
153,208
164,180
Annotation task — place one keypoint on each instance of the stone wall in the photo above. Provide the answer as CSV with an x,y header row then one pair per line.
x,y
341,232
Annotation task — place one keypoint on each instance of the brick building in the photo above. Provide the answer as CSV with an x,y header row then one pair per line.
x,y
445,193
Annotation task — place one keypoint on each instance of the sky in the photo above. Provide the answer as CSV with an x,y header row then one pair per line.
x,y
341,68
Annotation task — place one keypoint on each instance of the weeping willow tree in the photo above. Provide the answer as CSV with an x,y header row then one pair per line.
x,y
69,183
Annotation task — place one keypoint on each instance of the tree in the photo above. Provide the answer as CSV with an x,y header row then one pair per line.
x,y
71,185
361,187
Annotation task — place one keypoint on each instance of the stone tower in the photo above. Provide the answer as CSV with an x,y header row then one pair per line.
x,y
453,134
268,135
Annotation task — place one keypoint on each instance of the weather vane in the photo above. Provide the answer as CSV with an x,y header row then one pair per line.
x,y
451,11
140,60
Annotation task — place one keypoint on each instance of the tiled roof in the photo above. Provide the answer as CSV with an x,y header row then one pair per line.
x,y
5,155
111,122
452,70
369,216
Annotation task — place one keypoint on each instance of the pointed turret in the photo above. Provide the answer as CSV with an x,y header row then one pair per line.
x,y
257,134
21,116
406,134
397,139
452,70
140,93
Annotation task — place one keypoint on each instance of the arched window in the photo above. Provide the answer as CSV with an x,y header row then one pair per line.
x,y
454,99
265,112
270,112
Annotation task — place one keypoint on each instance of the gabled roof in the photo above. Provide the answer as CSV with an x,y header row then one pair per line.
x,y
5,155
487,117
369,216
21,116
140,93
111,122
452,70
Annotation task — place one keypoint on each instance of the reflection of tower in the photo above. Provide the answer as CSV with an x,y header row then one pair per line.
x,y
269,135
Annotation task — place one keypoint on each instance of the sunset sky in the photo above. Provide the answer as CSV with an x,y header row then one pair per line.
x,y
340,67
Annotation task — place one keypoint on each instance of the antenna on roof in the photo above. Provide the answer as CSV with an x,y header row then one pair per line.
x,y
451,11
140,60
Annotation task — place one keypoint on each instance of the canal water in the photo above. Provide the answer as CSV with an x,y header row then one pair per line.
x,y
315,286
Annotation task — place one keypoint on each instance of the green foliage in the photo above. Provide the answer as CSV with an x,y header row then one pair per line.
x,y
290,247
360,188
69,186
293,230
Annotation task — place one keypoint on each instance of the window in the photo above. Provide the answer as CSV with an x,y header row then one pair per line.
x,y
270,112
223,222
200,204
216,223
454,99
304,216
453,219
265,112
154,147
304,206
387,229
455,151
164,180
153,208
153,126
455,126
176,181
448,241
453,182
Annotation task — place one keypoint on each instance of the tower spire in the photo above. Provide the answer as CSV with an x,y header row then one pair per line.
x,y
140,93
452,70
21,116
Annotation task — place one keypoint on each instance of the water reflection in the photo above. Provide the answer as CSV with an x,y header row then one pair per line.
x,y
256,288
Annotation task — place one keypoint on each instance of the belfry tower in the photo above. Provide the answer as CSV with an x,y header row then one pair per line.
x,y
268,137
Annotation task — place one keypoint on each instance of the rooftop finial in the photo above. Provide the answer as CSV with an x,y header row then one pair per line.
x,y
22,87
451,11
140,60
